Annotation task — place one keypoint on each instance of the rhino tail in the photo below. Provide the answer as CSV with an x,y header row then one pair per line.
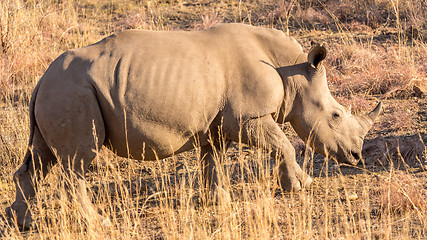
x,y
33,123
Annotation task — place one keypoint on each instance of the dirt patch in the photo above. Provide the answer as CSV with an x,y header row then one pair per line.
x,y
400,151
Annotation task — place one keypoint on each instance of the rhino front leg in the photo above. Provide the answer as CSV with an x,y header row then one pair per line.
x,y
264,132
209,165
210,176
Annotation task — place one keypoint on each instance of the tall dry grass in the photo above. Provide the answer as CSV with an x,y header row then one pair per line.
x,y
162,201
377,47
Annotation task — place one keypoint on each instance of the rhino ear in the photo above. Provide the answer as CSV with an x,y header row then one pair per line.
x,y
316,56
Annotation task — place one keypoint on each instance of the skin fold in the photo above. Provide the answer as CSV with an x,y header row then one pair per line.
x,y
148,95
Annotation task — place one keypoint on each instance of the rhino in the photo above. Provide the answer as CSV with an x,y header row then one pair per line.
x,y
149,95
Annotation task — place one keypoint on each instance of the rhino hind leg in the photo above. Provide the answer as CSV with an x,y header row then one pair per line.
x,y
37,163
75,137
264,132
69,131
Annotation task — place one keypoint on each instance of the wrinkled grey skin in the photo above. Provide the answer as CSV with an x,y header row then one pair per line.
x,y
146,94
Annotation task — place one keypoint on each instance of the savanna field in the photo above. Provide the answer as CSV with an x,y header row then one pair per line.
x,y
377,51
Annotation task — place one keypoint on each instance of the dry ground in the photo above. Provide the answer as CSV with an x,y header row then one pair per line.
x,y
377,51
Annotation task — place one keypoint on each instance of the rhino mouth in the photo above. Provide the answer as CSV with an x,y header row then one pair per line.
x,y
356,155
353,158
349,157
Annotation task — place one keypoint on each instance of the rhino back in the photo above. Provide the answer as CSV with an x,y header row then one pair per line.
x,y
159,85
170,86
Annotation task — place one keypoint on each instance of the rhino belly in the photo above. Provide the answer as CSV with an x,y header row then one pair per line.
x,y
147,140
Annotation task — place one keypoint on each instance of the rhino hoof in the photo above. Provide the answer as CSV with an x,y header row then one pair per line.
x,y
296,183
22,217
307,182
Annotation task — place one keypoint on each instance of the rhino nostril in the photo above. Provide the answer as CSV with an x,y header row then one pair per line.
x,y
356,155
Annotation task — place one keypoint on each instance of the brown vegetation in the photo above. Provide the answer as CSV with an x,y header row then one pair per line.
x,y
376,51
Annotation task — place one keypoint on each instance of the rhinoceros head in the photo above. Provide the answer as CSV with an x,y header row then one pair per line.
x,y
321,121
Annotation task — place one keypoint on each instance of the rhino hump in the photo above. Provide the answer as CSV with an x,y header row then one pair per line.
x,y
177,83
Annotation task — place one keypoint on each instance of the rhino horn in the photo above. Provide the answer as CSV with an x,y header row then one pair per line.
x,y
367,120
377,110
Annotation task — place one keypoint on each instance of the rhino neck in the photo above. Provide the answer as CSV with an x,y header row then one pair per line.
x,y
287,108
291,87
286,57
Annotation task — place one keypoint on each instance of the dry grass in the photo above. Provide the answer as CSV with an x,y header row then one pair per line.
x,y
370,69
377,49
400,192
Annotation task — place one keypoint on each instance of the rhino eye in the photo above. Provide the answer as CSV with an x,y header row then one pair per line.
x,y
336,115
